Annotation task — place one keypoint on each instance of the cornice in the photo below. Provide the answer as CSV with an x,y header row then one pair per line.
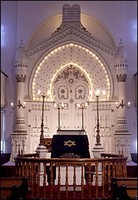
x,y
82,34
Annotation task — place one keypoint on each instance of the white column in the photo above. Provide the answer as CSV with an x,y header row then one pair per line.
x,y
121,111
20,115
122,136
19,135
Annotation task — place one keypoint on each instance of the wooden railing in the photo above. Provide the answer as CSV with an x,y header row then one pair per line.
x,y
50,177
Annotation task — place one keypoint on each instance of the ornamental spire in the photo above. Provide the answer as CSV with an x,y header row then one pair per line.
x,y
121,65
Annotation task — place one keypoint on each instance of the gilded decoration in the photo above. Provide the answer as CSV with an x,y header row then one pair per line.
x,y
70,155
69,143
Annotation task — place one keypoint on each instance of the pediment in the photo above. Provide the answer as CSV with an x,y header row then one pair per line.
x,y
72,33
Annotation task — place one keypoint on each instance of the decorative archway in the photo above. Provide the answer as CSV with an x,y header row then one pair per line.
x,y
95,70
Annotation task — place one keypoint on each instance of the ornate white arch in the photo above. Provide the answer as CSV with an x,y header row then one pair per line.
x,y
84,59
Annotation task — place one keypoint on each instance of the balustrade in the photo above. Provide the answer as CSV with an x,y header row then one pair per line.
x,y
47,179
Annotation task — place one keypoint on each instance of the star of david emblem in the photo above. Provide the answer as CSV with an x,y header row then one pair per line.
x,y
69,143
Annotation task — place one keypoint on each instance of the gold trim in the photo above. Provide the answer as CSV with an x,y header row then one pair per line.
x,y
69,143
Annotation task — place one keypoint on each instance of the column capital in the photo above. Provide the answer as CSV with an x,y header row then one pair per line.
x,y
20,77
121,77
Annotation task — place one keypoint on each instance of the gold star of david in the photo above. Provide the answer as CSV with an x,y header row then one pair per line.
x,y
69,143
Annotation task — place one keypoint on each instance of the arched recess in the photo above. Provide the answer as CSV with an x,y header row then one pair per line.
x,y
72,74
91,64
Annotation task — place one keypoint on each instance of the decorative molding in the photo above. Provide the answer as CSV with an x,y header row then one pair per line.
x,y
19,137
80,92
102,106
70,155
84,37
70,73
35,106
20,78
122,144
63,92
121,77
121,125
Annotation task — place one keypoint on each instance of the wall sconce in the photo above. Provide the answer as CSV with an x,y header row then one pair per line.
x,y
19,105
123,104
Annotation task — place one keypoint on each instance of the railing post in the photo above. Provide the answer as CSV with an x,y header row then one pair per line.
x,y
42,152
82,181
59,181
66,181
124,169
51,180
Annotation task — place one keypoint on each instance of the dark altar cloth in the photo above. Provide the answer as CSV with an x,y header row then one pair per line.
x,y
70,146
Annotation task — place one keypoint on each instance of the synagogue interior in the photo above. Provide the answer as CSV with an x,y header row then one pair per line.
x,y
69,99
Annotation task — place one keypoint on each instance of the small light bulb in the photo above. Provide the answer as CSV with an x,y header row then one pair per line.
x,y
55,105
97,92
103,92
78,105
39,91
86,104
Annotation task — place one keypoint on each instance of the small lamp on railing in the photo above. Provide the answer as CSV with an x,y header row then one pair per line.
x,y
123,104
82,106
59,107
